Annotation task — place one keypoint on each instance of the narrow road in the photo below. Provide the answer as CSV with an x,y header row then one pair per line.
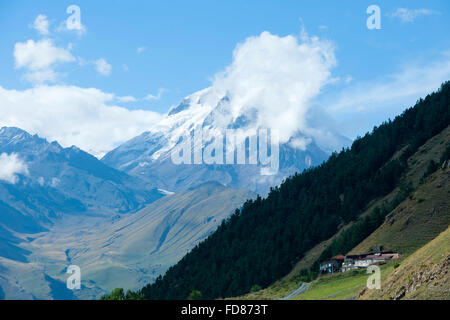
x,y
302,287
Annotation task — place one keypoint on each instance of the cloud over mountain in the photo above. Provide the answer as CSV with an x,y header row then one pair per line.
x,y
10,167
278,76
84,117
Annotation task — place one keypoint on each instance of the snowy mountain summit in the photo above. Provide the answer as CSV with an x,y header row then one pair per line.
x,y
261,103
212,135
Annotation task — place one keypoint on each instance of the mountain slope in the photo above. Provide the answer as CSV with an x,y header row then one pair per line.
x,y
425,275
149,155
411,225
67,179
417,166
260,243
126,250
41,182
417,220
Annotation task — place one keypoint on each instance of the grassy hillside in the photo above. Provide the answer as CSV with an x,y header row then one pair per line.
x,y
412,224
261,242
342,286
423,275
417,220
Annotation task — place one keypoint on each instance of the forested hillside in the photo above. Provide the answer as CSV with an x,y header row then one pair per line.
x,y
261,242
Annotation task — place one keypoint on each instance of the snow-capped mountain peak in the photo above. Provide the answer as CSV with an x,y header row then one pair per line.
x,y
149,155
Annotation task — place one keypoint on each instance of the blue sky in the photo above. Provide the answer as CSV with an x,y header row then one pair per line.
x,y
183,44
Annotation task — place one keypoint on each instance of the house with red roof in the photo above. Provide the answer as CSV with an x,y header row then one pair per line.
x,y
341,263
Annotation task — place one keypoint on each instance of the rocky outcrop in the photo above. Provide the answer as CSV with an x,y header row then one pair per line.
x,y
436,277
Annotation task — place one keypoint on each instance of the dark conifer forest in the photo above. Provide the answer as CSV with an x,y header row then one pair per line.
x,y
261,242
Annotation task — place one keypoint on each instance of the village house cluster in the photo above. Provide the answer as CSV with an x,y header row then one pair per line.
x,y
341,263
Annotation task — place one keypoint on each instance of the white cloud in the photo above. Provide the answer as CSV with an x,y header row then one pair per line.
x,y
324,129
140,50
362,105
278,77
411,82
84,117
10,167
41,76
155,97
40,58
300,143
100,65
103,67
409,15
127,99
39,55
41,24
